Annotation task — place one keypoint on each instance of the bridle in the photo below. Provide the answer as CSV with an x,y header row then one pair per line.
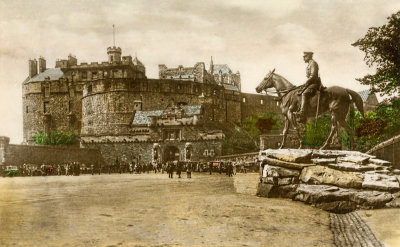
x,y
282,93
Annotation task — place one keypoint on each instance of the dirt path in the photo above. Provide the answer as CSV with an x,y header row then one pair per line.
x,y
152,210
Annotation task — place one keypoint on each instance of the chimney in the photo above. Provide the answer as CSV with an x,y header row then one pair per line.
x,y
42,64
33,68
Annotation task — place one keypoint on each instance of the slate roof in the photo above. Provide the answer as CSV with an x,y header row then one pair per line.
x,y
52,74
230,87
364,95
142,117
192,109
223,67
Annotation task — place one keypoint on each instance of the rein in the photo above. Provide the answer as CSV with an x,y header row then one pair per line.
x,y
285,92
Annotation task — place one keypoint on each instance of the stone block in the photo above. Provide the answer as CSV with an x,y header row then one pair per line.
x,y
280,171
315,194
350,166
337,207
377,181
285,164
325,175
290,155
360,160
371,199
320,161
273,191
380,162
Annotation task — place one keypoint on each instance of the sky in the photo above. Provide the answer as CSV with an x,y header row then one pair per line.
x,y
251,36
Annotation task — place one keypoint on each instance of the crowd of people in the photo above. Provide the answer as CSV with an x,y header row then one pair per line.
x,y
76,168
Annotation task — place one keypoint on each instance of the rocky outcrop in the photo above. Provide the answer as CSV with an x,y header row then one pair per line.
x,y
335,181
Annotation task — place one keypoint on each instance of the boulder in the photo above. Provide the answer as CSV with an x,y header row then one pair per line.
x,y
380,162
371,199
291,155
320,161
325,175
280,171
353,167
285,164
379,181
274,191
337,207
360,160
315,194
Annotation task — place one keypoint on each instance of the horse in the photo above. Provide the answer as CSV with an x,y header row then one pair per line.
x,y
334,100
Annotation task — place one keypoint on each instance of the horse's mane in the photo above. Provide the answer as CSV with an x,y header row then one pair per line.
x,y
286,82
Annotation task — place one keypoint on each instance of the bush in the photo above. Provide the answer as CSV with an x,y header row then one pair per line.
x,y
55,137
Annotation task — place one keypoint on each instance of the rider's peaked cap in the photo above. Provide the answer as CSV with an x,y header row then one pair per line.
x,y
308,53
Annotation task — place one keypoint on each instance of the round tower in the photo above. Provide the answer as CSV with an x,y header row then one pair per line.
x,y
114,54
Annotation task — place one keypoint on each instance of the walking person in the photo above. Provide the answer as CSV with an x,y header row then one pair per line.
x,y
189,170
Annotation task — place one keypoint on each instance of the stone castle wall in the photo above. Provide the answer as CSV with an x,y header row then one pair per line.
x,y
133,150
18,155
51,105
258,104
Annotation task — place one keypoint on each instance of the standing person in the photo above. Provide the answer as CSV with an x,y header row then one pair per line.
x,y
310,87
178,165
130,167
189,170
92,168
210,166
171,169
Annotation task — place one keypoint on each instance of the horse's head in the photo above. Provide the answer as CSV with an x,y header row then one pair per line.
x,y
266,82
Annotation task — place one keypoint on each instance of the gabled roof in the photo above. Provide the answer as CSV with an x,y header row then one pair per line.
x,y
364,95
52,74
224,68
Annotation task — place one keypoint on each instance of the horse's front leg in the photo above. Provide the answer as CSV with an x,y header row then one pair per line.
x,y
285,131
333,131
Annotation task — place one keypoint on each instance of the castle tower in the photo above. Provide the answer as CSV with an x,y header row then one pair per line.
x,y
114,54
211,70
33,68
42,64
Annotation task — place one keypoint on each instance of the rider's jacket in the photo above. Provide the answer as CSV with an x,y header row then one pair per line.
x,y
312,74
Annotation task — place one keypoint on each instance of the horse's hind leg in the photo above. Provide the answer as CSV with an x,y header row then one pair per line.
x,y
334,128
349,130
285,131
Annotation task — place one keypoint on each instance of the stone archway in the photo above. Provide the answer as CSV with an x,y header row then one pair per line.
x,y
171,153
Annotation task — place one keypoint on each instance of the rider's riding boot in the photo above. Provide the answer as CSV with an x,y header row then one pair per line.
x,y
301,114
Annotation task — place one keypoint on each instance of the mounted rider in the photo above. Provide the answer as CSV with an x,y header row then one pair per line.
x,y
311,86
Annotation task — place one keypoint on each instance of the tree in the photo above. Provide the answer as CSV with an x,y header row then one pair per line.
x,y
239,141
256,124
55,137
245,137
316,134
381,46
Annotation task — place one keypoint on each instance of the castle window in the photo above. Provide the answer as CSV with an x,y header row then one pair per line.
x,y
26,109
47,91
244,100
262,102
46,107
84,75
69,106
94,75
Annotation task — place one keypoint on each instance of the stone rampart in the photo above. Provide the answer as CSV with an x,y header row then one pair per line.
x,y
335,181
50,155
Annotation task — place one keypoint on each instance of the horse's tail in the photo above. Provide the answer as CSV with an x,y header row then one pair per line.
x,y
356,98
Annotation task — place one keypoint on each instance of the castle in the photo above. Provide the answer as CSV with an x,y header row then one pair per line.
x,y
113,107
